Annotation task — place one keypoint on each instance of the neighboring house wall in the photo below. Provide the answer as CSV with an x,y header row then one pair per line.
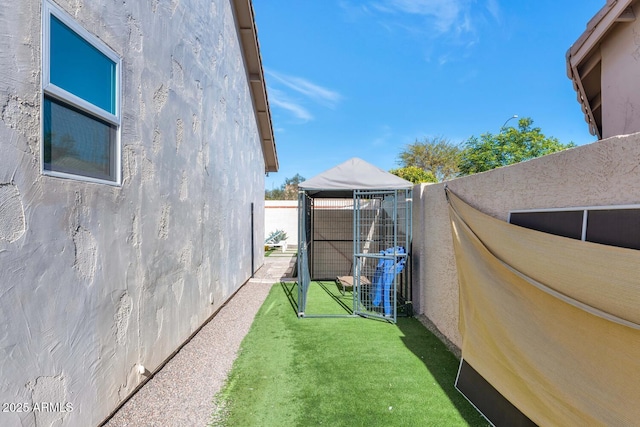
x,y
600,174
603,64
620,51
95,279
282,215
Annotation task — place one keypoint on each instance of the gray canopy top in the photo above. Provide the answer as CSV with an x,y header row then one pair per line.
x,y
354,174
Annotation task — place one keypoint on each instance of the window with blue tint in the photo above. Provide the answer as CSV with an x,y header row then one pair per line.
x,y
77,143
78,67
81,117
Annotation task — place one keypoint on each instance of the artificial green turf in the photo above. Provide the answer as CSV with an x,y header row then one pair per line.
x,y
340,372
325,298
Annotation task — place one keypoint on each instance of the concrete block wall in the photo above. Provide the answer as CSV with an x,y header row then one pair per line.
x,y
604,173
282,215
96,279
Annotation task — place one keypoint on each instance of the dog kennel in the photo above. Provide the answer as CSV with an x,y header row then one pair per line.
x,y
354,243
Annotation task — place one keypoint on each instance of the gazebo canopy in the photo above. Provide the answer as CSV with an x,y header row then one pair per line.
x,y
354,174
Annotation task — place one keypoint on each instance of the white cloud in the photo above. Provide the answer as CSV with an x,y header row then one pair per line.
x,y
297,95
446,13
456,16
307,88
279,99
384,135
383,8
494,9
448,31
354,11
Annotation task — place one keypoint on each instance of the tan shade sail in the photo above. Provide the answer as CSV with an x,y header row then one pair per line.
x,y
552,323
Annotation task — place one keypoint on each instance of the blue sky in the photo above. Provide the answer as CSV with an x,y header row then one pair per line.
x,y
348,78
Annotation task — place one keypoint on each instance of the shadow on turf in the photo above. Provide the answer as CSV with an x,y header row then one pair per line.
x,y
335,297
291,291
435,356
441,363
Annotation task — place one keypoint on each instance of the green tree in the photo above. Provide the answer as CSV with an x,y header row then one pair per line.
x,y
509,146
437,155
414,174
287,191
274,194
291,187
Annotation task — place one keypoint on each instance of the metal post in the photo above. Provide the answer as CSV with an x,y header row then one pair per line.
x,y
252,244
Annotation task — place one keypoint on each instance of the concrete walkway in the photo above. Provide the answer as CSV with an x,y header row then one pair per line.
x,y
181,393
279,266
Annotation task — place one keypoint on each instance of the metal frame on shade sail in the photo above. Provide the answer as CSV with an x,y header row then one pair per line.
x,y
489,402
380,231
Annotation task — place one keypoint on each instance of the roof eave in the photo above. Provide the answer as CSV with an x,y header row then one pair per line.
x,y
582,97
585,47
246,25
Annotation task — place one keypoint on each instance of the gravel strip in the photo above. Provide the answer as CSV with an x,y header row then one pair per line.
x,y
181,393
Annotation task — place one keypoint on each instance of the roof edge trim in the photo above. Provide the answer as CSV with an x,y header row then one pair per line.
x,y
248,36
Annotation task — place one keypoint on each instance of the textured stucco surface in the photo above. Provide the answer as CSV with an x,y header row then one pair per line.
x,y
600,174
96,279
620,53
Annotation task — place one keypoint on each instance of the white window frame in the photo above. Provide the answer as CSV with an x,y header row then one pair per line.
x,y
51,90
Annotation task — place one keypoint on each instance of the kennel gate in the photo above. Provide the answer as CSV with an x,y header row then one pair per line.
x,y
382,232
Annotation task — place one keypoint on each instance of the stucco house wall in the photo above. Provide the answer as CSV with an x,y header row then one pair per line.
x,y
603,64
600,174
97,279
620,51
